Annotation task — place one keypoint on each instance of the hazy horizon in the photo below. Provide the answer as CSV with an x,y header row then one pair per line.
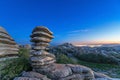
x,y
80,22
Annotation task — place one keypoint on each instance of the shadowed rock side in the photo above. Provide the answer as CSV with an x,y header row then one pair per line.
x,y
8,47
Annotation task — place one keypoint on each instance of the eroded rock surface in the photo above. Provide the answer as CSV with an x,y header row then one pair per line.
x,y
8,47
31,76
41,36
63,72
44,67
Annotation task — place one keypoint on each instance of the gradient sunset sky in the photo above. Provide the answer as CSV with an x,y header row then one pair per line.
x,y
75,21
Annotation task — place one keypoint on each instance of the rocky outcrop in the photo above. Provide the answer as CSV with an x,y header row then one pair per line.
x,y
8,47
41,36
64,72
43,62
100,75
70,72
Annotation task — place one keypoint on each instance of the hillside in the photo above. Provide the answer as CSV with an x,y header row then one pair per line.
x,y
109,55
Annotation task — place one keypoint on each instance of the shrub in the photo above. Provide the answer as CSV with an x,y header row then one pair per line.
x,y
14,67
64,59
97,58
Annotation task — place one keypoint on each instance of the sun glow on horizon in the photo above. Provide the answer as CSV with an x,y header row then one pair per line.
x,y
97,43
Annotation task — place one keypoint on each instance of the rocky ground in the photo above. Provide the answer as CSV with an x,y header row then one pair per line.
x,y
64,72
108,69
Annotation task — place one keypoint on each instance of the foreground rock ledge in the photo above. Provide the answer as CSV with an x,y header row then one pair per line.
x,y
63,72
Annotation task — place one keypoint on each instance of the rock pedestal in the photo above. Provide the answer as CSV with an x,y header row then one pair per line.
x,y
43,62
8,47
41,36
44,67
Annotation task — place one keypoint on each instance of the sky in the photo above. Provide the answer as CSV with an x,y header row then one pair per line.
x,y
75,21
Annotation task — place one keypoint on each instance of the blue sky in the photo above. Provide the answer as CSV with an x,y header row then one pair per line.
x,y
75,21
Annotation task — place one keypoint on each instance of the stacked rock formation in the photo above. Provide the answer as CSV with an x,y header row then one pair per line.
x,y
44,67
8,47
41,36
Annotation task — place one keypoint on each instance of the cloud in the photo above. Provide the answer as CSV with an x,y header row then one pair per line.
x,y
77,31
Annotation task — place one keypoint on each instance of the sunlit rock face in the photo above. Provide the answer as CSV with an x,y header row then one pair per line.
x,y
8,47
41,36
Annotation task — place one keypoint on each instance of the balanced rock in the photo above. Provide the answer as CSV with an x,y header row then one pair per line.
x,y
44,67
41,36
8,47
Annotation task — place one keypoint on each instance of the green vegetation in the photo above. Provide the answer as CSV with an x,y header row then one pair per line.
x,y
14,67
108,69
97,58
64,59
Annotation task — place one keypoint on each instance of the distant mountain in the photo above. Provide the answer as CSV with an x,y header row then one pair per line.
x,y
110,45
103,54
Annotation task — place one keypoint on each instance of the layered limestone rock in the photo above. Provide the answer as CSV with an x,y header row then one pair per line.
x,y
8,47
44,67
31,76
64,72
41,36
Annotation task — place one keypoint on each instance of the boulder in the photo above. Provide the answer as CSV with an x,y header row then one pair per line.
x,y
60,71
85,72
67,72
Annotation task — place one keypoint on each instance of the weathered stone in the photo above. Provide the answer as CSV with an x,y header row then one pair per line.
x,y
25,78
40,39
60,71
31,76
41,44
3,35
43,62
73,77
8,47
105,79
2,30
42,53
42,28
100,75
41,36
86,72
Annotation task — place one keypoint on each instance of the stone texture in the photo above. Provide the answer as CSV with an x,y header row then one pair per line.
x,y
103,79
100,75
25,78
31,76
67,72
42,28
60,71
73,77
43,62
86,72
8,47
41,36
